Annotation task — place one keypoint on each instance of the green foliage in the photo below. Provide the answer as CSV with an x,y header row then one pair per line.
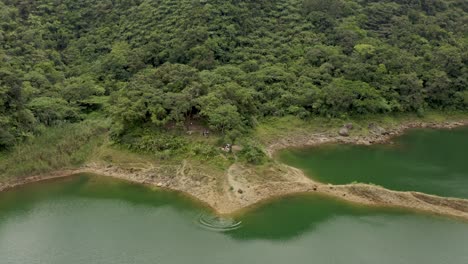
x,y
154,142
78,89
51,110
7,140
253,154
227,63
165,145
159,96
347,97
464,97
224,117
365,50
65,145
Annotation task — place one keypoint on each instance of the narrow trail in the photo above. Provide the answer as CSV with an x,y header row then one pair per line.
x,y
242,186
239,190
231,186
231,201
181,169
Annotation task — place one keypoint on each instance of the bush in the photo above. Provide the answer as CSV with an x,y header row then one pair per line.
x,y
52,111
152,141
55,148
253,154
7,140
204,150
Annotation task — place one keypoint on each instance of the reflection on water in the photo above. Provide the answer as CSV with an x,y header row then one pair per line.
x,y
425,160
99,220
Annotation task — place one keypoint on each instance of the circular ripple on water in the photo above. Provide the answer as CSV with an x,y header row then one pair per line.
x,y
218,223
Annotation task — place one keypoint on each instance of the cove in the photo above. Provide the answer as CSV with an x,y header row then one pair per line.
x,y
425,160
92,219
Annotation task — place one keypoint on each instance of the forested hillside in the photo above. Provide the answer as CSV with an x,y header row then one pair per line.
x,y
225,63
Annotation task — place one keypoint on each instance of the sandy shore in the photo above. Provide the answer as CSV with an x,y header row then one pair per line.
x,y
243,186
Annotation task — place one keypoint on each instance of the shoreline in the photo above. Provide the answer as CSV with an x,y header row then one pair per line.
x,y
331,137
243,187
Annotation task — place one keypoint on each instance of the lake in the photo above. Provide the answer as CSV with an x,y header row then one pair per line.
x,y
92,219
425,160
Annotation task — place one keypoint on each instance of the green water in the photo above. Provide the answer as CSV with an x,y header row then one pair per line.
x,y
98,220
430,161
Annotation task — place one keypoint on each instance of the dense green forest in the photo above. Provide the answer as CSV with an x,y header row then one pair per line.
x,y
225,63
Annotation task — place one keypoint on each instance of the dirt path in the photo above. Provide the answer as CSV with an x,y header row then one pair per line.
x,y
243,186
231,200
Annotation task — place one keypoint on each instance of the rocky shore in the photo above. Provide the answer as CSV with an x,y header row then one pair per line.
x,y
376,135
243,186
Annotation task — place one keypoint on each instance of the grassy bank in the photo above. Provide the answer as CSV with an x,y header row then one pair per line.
x,y
63,146
72,145
272,129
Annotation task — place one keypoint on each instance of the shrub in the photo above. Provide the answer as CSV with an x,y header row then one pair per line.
x,y
253,154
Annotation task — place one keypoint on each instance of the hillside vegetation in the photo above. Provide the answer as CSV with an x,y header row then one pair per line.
x,y
153,66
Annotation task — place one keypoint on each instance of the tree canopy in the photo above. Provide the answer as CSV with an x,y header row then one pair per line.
x,y
227,62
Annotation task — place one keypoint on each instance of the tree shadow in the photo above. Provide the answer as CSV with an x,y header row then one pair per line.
x,y
292,216
88,186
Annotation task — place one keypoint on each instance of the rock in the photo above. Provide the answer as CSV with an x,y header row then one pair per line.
x,y
236,148
361,142
378,130
344,132
240,191
349,126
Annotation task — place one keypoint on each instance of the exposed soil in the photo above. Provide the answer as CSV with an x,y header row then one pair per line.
x,y
243,186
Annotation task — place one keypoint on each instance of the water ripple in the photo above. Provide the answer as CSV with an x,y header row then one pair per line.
x,y
218,223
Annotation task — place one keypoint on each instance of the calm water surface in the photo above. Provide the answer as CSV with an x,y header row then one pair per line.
x,y
431,161
87,219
